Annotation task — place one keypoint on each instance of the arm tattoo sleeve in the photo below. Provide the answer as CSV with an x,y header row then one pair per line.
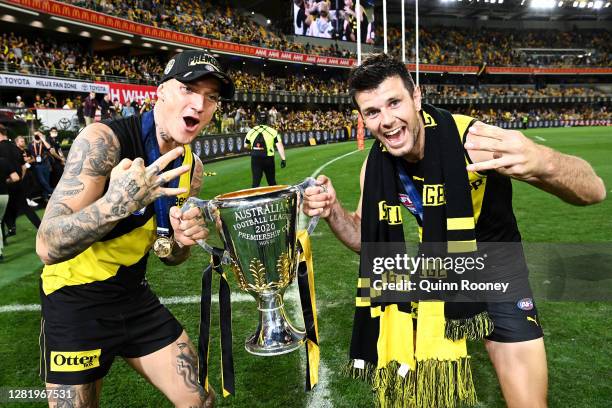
x,y
65,231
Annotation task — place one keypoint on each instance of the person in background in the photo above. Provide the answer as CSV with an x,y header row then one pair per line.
x,y
27,183
105,107
128,109
78,104
17,201
117,108
50,101
40,150
57,157
8,174
19,103
261,140
90,106
146,106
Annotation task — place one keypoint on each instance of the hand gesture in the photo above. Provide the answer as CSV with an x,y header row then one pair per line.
x,y
133,186
318,200
508,152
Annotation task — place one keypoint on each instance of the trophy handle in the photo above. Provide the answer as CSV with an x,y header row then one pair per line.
x,y
204,205
309,182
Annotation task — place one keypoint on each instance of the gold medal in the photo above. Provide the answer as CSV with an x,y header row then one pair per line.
x,y
162,246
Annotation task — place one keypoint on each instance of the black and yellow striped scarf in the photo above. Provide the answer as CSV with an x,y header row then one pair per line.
x,y
434,372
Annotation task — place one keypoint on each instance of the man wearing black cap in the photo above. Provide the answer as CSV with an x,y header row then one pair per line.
x,y
113,204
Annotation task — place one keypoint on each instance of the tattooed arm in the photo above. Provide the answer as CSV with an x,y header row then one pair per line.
x,y
79,213
190,226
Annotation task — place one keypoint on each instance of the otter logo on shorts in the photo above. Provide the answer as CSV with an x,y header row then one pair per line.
x,y
169,66
75,360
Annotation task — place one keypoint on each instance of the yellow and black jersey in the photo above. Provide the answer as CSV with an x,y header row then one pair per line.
x,y
109,275
491,196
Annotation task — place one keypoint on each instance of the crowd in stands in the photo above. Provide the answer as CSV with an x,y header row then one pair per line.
x,y
438,45
462,91
30,55
239,118
293,83
203,19
496,47
26,54
577,112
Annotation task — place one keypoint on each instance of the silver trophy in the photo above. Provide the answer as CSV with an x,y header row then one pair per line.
x,y
258,229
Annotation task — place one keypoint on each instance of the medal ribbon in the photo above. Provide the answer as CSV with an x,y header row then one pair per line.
x,y
162,204
411,192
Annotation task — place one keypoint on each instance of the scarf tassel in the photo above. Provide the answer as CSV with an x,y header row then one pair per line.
x,y
476,327
434,384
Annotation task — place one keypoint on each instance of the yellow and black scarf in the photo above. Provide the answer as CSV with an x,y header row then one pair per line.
x,y
434,372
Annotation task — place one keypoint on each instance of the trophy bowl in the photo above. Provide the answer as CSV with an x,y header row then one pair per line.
x,y
258,227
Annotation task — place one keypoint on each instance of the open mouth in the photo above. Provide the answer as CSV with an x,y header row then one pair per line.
x,y
395,135
191,122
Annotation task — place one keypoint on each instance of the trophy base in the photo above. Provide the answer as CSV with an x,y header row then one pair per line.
x,y
274,334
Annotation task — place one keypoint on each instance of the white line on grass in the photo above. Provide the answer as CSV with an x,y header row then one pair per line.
x,y
173,300
317,171
541,139
320,395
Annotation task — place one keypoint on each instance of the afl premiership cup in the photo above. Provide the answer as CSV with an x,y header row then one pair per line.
x,y
258,227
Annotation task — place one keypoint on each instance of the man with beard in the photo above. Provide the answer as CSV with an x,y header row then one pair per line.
x,y
453,174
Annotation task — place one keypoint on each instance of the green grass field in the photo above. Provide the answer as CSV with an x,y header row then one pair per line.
x,y
577,335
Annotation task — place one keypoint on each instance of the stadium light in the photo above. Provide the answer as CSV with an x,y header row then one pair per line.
x,y
19,9
598,4
560,4
575,4
126,41
9,18
146,44
85,34
542,4
108,30
37,24
582,4
63,29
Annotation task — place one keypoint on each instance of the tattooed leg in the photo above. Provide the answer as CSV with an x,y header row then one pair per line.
x,y
75,396
174,371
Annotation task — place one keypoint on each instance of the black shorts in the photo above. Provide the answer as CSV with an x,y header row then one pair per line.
x,y
80,352
514,322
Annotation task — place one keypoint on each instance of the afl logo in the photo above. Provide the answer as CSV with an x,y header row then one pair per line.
x,y
238,143
525,304
222,145
198,148
215,146
230,144
206,147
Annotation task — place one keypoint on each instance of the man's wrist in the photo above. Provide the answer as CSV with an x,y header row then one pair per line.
x,y
547,163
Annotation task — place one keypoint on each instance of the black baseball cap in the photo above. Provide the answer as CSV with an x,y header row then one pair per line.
x,y
188,66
